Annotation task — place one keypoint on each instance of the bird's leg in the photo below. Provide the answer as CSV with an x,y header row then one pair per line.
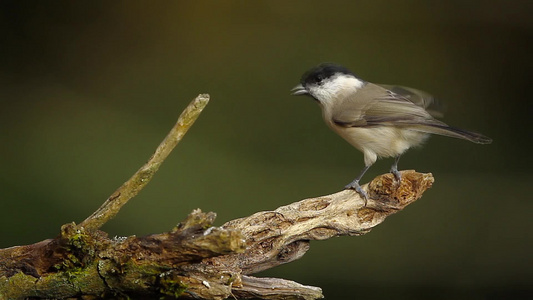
x,y
394,169
355,185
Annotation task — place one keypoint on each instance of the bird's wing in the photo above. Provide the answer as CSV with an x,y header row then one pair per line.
x,y
423,99
374,105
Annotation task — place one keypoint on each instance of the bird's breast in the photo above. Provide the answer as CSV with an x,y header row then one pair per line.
x,y
384,141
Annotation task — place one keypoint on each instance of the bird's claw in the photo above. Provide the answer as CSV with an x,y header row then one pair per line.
x,y
394,170
397,175
354,185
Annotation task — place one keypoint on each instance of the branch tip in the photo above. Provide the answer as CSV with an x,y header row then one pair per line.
x,y
142,177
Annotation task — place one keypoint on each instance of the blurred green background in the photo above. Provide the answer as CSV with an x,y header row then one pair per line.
x,y
88,89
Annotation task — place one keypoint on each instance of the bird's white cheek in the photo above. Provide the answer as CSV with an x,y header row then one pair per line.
x,y
321,94
336,88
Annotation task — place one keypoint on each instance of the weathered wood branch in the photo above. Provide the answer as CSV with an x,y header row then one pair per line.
x,y
142,177
195,260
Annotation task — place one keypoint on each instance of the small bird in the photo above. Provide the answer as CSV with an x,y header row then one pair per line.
x,y
379,120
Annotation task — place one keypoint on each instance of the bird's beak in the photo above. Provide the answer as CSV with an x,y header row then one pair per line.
x,y
299,90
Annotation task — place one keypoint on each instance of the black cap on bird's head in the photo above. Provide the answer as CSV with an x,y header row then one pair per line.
x,y
324,71
317,75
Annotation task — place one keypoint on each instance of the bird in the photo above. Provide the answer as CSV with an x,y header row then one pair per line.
x,y
379,120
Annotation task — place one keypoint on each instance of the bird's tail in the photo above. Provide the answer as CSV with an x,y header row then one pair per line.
x,y
443,129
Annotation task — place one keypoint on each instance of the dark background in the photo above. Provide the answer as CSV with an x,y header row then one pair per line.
x,y
88,89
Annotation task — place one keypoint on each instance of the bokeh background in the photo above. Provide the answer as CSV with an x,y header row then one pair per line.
x,y
88,89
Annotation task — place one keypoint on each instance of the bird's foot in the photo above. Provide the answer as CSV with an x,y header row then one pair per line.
x,y
396,174
354,185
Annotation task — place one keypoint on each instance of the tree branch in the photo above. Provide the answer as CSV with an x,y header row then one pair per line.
x,y
198,261
194,259
141,178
